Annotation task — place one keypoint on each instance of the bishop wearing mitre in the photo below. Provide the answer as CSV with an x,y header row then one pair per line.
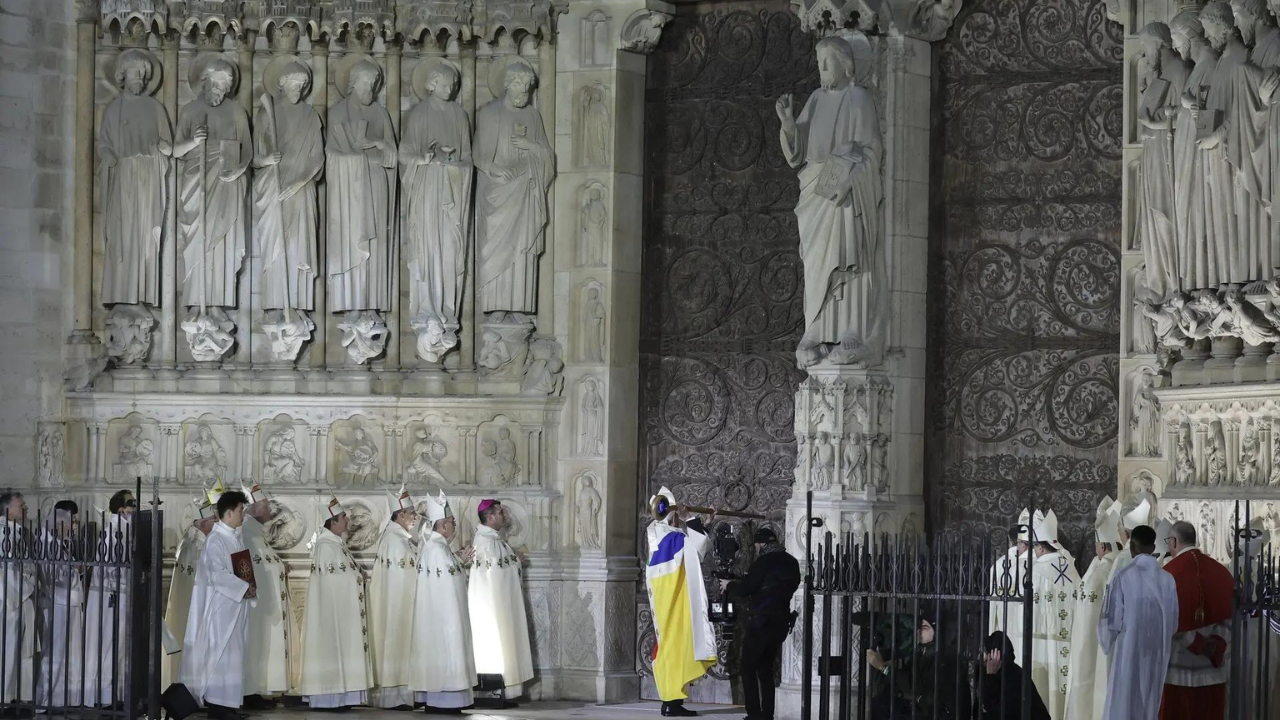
x,y
1140,515
272,629
1088,665
1008,575
335,646
498,625
218,621
1053,583
184,579
443,677
391,590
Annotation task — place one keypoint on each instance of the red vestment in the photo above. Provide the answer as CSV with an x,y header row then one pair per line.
x,y
1196,686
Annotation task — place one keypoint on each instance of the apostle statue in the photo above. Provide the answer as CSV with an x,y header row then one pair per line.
x,y
1054,581
135,142
435,160
1163,75
1226,247
361,147
1194,266
836,143
268,670
335,651
391,589
516,165
214,148
499,627
443,676
185,563
1087,666
289,159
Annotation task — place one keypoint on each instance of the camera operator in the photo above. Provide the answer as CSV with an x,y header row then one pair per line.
x,y
902,686
767,590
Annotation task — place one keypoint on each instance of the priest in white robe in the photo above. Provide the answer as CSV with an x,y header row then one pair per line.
x,y
1088,668
183,581
335,639
218,622
63,634
272,629
1054,581
442,677
392,585
106,626
1139,618
496,601
19,603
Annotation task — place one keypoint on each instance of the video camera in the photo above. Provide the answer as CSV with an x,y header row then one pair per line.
x,y
726,547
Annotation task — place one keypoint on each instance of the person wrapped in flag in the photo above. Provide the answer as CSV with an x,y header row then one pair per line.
x,y
686,643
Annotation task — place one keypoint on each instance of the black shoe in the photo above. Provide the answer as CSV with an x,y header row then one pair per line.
x,y
442,711
402,708
677,709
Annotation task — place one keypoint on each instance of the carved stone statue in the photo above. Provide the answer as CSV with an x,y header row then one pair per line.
x,y
281,460
289,160
425,457
836,143
435,162
360,145
1163,75
1144,418
516,166
1144,334
492,475
134,453
594,229
129,330
1194,267
880,462
361,457
135,142
593,317
854,464
588,514
590,421
50,448
1247,466
1216,454
824,462
642,31
1250,323
204,459
1225,246
593,127
1165,320
506,457
1184,470
543,376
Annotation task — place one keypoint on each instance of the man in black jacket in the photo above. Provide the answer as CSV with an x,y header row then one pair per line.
x,y
766,591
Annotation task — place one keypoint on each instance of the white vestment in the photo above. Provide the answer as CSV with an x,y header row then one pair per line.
x,y
19,616
1123,557
1006,616
106,619
443,675
391,589
217,624
63,634
335,647
1087,674
1139,617
499,628
267,669
179,604
1054,581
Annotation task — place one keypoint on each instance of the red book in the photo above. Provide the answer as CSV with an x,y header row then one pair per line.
x,y
242,566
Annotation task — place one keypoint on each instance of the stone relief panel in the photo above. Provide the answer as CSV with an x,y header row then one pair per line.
x,y
588,426
499,460
593,227
287,527
593,127
205,449
136,451
1025,266
356,457
426,454
592,321
286,457
51,446
587,505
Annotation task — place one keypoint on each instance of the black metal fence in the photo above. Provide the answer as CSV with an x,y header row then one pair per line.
x,y
866,597
82,614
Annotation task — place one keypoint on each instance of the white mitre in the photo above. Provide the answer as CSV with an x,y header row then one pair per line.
x,y
438,509
1106,526
255,494
1140,515
1024,525
1045,528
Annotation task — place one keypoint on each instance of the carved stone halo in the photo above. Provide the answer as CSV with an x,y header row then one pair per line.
x,y
498,73
157,70
342,72
203,61
423,71
274,69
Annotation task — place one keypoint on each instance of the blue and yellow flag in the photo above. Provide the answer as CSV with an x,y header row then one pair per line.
x,y
686,646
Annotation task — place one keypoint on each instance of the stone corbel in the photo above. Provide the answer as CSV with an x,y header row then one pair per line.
x,y
926,20
643,30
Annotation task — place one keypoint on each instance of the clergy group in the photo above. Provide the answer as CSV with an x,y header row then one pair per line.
x,y
241,647
1145,634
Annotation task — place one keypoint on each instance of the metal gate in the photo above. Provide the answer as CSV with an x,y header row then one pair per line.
x,y
82,613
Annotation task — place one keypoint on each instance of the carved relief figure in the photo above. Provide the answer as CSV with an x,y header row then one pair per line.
x,y
855,455
361,457
543,376
593,317
824,462
643,30
204,460
49,453
1274,479
588,514
1165,322
361,149
516,166
1250,323
133,453
590,420
492,474
289,160
435,161
1247,466
1216,454
129,329
836,143
1144,418
135,142
880,462
1162,77
1144,334
1184,458
1194,268
509,470
286,528
592,127
1225,245
281,460
425,457
594,227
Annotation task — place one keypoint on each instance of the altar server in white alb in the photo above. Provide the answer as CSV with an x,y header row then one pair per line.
x,y
498,625
184,580
1087,677
335,638
1140,515
1053,581
272,629
1008,575
442,676
106,624
218,623
391,590
19,602
64,626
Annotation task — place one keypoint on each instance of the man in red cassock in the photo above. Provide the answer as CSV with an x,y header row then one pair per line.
x,y
1196,686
